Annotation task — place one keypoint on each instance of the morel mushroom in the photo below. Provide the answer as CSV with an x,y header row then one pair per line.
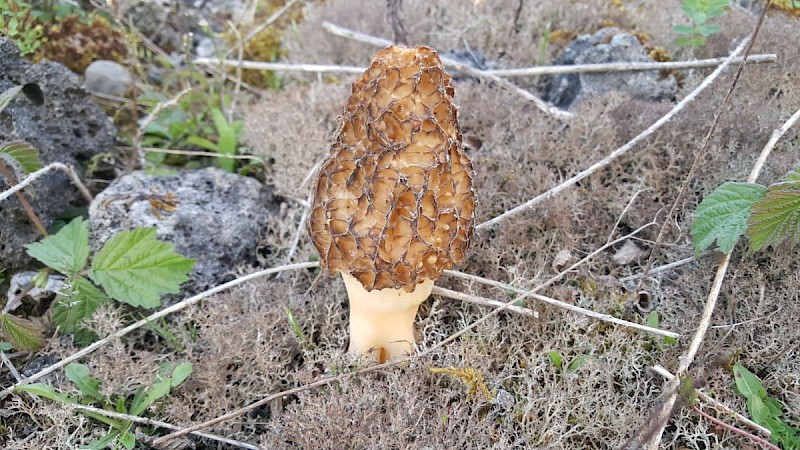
x,y
393,204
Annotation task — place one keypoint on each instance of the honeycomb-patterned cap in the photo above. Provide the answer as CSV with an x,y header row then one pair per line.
x,y
393,203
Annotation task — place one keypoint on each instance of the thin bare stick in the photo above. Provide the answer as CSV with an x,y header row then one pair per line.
x,y
529,71
238,84
720,407
663,268
621,150
776,135
13,370
154,317
559,304
26,206
758,440
361,37
686,359
275,16
44,170
627,66
196,153
482,301
137,139
158,423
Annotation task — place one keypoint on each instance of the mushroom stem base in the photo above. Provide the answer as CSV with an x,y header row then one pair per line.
x,y
382,321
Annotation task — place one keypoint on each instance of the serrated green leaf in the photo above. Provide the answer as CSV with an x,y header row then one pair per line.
x,y
78,300
89,387
8,95
793,175
776,217
135,268
23,334
722,215
21,155
66,251
48,392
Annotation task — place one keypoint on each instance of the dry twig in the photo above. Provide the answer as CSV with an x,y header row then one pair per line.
x,y
361,37
44,170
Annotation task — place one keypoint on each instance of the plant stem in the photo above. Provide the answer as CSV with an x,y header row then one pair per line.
x,y
21,197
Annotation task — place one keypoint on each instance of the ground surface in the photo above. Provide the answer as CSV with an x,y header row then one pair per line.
x,y
243,348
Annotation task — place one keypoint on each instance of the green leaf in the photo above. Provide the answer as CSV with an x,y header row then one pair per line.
x,y
577,363
748,384
48,392
202,143
5,347
22,155
227,140
776,217
128,440
78,300
135,268
89,387
722,215
180,374
555,359
104,441
66,251
8,95
683,29
23,334
652,320
687,391
793,175
708,29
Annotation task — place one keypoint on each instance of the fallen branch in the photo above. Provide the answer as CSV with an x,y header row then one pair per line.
x,y
526,71
41,172
152,318
361,37
618,152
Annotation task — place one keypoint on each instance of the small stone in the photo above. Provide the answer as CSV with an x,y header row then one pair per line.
x,y
107,77
561,259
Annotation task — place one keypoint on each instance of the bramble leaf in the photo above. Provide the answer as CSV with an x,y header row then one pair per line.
x,y
23,334
22,155
135,268
776,217
66,251
722,215
79,300
8,95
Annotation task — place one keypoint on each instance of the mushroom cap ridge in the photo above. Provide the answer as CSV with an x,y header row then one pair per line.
x,y
393,203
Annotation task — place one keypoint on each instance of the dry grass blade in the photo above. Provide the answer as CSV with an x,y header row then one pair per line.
x,y
152,318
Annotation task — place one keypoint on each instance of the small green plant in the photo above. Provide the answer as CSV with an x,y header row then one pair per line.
x,y
765,410
197,123
699,11
767,215
169,376
131,267
18,23
558,361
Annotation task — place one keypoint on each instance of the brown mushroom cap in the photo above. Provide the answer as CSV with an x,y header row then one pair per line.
x,y
393,203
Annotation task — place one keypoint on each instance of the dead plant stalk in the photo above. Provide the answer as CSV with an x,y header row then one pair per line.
x,y
43,171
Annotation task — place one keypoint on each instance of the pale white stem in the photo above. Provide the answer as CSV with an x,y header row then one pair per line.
x,y
621,150
382,321
41,172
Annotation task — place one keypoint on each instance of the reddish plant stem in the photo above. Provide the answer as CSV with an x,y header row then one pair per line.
x,y
758,440
21,197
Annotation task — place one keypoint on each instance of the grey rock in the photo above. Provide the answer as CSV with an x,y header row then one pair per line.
x,y
608,45
66,126
218,217
205,47
107,77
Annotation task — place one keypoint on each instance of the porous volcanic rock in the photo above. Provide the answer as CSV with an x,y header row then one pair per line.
x,y
211,215
65,125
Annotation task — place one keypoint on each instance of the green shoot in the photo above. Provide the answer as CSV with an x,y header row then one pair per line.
x,y
765,410
699,11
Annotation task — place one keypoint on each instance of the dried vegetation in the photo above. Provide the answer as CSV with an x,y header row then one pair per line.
x,y
243,348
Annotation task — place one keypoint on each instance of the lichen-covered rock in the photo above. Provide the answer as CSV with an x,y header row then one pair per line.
x,y
211,215
609,45
67,127
393,203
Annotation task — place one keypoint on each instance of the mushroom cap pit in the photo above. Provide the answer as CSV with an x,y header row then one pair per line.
x,y
393,203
